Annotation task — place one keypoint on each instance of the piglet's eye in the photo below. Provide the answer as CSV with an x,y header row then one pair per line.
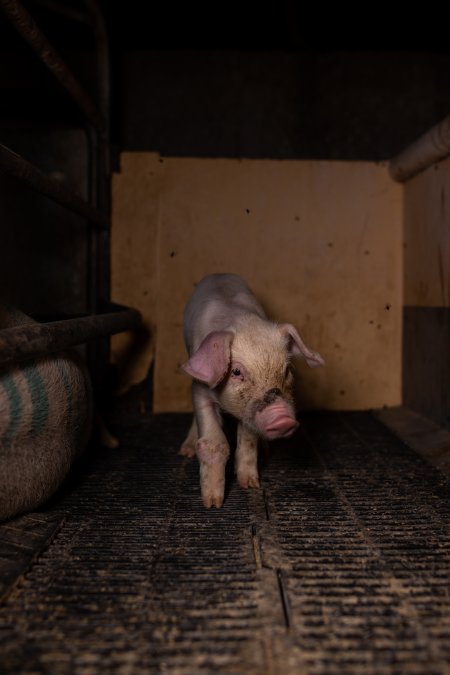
x,y
237,372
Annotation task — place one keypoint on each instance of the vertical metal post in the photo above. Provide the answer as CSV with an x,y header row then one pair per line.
x,y
100,193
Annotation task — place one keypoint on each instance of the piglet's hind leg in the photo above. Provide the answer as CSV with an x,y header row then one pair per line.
x,y
189,444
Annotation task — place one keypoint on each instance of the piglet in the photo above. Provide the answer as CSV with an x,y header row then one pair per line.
x,y
45,423
241,364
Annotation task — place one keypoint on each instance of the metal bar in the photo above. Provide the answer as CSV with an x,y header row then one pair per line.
x,y
100,155
100,194
430,148
98,26
25,25
284,598
26,172
67,12
38,339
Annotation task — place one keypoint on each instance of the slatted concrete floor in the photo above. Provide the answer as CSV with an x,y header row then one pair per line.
x,y
339,564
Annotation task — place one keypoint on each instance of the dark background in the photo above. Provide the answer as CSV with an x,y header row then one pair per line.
x,y
277,80
282,79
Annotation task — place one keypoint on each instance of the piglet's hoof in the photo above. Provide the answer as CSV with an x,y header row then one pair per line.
x,y
248,479
187,451
212,482
210,499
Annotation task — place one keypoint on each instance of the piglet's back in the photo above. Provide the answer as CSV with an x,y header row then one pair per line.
x,y
217,303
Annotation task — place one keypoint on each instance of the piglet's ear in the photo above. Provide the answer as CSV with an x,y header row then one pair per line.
x,y
298,348
211,361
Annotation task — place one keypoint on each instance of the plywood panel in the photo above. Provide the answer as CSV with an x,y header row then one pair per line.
x,y
135,197
427,238
319,243
426,358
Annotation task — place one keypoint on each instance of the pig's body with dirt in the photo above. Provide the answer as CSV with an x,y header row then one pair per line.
x,y
241,364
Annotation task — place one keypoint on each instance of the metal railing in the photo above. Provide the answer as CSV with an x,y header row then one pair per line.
x,y
38,339
18,167
32,34
34,340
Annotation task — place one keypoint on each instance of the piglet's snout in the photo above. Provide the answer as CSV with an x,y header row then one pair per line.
x,y
276,421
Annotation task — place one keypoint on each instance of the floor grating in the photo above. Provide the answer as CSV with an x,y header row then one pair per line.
x,y
339,564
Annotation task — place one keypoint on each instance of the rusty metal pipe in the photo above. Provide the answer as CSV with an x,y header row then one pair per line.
x,y
29,30
20,168
68,12
38,339
427,150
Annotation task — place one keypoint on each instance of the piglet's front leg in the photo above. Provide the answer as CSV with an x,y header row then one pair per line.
x,y
212,448
246,461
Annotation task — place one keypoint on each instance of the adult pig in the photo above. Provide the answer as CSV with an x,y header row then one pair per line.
x,y
241,364
45,422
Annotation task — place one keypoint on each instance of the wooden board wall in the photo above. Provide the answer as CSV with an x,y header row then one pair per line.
x,y
426,340
320,243
427,238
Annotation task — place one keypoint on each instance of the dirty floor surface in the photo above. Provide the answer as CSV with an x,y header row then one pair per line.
x,y
339,564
